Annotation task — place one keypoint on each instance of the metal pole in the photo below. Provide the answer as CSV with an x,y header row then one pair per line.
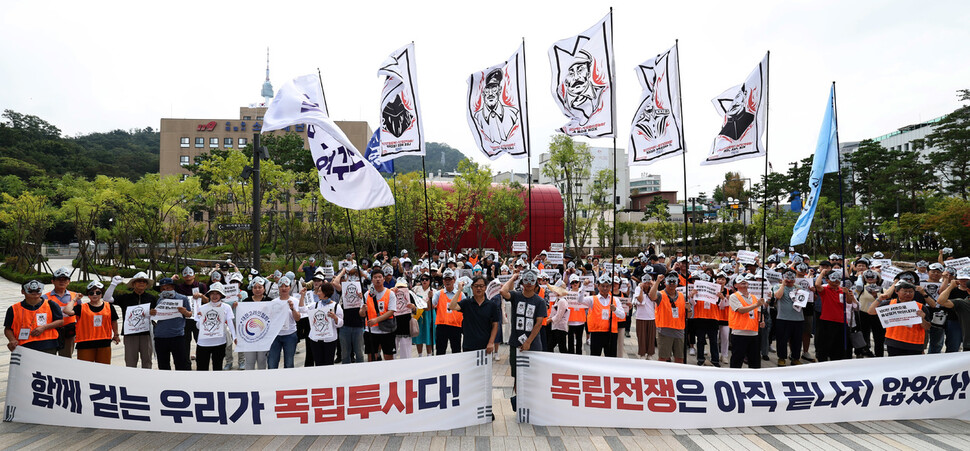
x,y
528,146
256,202
835,117
397,229
427,211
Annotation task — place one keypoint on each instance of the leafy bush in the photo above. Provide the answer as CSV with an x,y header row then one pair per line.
x,y
7,272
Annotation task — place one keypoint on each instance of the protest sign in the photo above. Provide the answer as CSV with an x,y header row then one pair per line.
x,y
258,324
883,262
575,300
805,284
932,289
555,258
167,309
232,293
322,326
212,322
899,314
400,396
350,295
888,273
587,391
957,263
136,319
693,268
587,284
747,257
520,246
556,247
800,298
772,277
758,288
706,291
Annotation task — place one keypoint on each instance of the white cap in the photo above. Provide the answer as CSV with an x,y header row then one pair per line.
x,y
574,278
448,273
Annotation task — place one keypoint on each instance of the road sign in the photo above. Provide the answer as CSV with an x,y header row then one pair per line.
x,y
235,226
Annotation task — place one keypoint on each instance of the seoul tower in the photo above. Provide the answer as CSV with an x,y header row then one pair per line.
x,y
267,91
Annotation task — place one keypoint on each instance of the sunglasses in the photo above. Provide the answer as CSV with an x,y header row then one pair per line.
x,y
96,293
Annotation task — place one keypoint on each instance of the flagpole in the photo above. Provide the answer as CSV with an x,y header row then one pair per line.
x,y
680,103
353,243
397,229
764,201
838,154
427,211
528,147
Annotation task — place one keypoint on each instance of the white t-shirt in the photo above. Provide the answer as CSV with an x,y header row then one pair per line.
x,y
212,321
322,326
645,308
391,305
289,326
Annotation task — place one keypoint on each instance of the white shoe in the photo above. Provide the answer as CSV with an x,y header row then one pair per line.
x,y
692,351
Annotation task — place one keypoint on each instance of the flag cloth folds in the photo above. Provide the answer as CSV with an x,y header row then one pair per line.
x,y
402,126
345,179
496,105
826,160
373,154
745,111
657,131
583,81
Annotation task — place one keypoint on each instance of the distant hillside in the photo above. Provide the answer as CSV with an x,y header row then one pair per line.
x,y
440,157
31,146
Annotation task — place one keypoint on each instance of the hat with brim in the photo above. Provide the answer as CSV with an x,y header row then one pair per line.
x,y
140,276
218,288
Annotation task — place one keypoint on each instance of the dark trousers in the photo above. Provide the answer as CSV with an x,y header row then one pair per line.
x,y
706,329
191,331
323,352
557,339
172,348
874,333
544,336
894,351
745,346
444,335
830,341
789,335
204,355
574,341
601,343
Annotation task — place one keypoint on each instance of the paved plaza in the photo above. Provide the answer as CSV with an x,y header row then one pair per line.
x,y
503,433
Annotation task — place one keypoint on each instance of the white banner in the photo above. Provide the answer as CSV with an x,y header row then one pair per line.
x,y
556,247
520,246
496,111
137,319
747,257
258,324
555,258
706,291
957,263
888,273
882,262
346,179
402,126
400,396
899,314
583,75
773,277
744,110
167,309
585,391
657,131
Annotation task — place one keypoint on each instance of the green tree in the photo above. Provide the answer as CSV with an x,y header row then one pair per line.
x,y
503,211
569,167
657,209
25,218
952,139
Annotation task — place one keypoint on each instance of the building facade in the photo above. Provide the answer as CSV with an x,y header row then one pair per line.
x,y
647,183
602,159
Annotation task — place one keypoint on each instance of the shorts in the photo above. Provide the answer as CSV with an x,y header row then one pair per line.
x,y
403,325
809,315
667,345
384,343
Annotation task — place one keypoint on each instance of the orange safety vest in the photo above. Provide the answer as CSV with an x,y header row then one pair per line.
x,y
665,313
27,319
744,321
372,311
595,322
445,316
74,296
723,312
913,334
709,310
90,328
542,294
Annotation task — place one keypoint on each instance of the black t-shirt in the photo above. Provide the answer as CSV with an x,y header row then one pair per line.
x,y
476,323
93,344
41,345
525,313
132,299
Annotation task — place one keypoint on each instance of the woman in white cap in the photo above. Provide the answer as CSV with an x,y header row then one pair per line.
x,y
286,340
96,325
213,319
256,359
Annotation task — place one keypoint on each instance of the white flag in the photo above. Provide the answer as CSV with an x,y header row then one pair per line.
x,y
259,323
583,81
496,108
346,179
402,126
658,130
745,110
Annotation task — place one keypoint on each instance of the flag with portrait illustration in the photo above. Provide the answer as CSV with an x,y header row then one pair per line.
x,y
402,126
583,81
745,111
496,108
658,131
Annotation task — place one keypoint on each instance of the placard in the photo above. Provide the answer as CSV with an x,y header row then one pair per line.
x,y
607,268
494,255
575,300
804,283
747,257
932,289
167,309
957,263
232,293
889,273
773,277
555,258
327,271
556,247
350,295
758,288
800,298
553,274
899,314
587,284
883,262
706,291
137,319
693,268
520,246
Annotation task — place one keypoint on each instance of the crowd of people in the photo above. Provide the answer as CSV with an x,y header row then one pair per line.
x,y
725,309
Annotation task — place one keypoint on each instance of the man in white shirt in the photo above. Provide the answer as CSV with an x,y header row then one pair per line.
x,y
603,319
379,309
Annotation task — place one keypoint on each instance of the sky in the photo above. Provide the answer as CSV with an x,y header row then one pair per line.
x,y
99,66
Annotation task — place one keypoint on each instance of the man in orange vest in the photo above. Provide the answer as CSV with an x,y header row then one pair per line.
x,y
447,322
670,316
904,340
380,306
604,318
33,322
62,297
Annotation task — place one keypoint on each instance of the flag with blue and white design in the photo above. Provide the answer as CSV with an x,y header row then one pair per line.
x,y
826,161
373,154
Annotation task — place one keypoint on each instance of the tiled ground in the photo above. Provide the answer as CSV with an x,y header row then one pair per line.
x,y
504,433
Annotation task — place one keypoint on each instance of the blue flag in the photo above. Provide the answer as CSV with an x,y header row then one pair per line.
x,y
373,154
826,161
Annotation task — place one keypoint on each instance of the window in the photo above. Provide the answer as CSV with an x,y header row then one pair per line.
x,y
247,118
259,118
213,142
299,216
227,142
184,160
199,142
243,142
185,141
907,147
198,216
